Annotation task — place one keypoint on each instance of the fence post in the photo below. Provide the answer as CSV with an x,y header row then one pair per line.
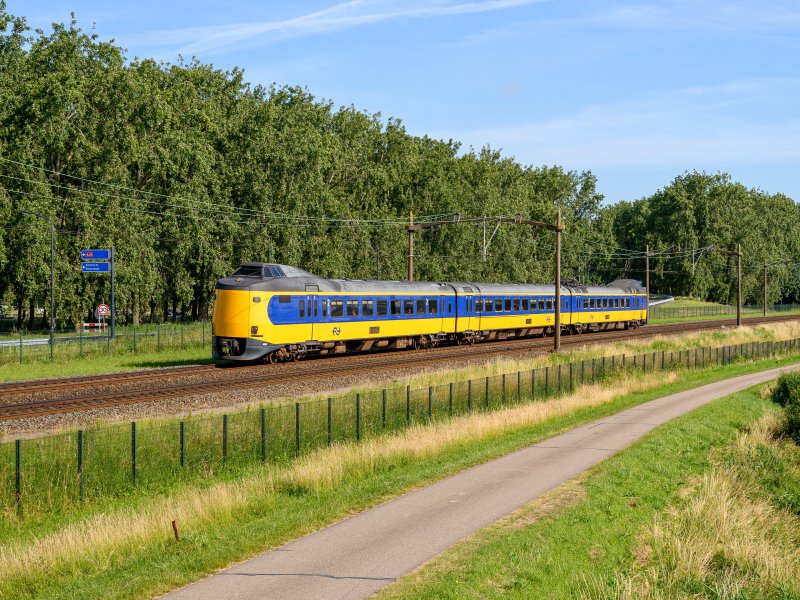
x,y
546,381
583,379
487,393
183,445
18,474
224,438
533,384
519,385
263,434
20,346
181,326
358,417
430,402
558,389
133,451
593,367
571,381
469,395
383,408
644,364
297,429
662,360
450,401
80,341
408,405
203,329
80,465
158,337
330,421
503,396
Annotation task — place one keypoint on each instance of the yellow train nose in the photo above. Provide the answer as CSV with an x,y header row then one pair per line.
x,y
232,314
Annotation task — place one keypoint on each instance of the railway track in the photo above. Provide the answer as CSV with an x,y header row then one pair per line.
x,y
248,377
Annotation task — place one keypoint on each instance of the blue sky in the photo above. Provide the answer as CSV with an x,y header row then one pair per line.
x,y
636,92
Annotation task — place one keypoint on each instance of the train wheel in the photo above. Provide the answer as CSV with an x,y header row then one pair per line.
x,y
272,358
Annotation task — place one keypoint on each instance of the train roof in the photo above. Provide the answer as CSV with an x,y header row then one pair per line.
x,y
286,278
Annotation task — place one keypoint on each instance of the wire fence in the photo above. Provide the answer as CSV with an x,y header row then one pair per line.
x,y
67,469
22,347
665,311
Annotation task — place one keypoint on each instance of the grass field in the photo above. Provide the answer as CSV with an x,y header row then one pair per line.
x,y
695,509
124,548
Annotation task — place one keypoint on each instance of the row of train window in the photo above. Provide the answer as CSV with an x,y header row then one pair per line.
x,y
338,308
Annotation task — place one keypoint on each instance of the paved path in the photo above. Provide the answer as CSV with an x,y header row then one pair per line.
x,y
356,557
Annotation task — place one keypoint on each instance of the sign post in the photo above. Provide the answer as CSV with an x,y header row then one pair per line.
x,y
101,261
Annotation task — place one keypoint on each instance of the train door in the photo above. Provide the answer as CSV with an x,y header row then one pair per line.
x,y
312,313
466,310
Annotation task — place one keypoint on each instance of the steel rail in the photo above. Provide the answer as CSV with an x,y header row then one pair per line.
x,y
325,369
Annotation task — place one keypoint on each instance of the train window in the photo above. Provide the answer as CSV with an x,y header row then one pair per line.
x,y
516,304
421,306
549,304
367,308
248,272
395,307
585,303
449,308
303,308
433,306
507,305
616,302
498,305
408,307
479,305
352,308
525,304
337,309
383,308
316,307
488,305
284,299
627,302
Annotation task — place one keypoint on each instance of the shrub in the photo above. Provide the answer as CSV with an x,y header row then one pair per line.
x,y
787,395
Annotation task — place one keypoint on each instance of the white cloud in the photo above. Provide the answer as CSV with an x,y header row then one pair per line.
x,y
693,126
345,15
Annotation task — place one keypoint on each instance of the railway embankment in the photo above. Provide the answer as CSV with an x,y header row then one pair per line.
x,y
230,509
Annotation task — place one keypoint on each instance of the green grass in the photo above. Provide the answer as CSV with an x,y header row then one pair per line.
x,y
685,301
75,353
727,315
554,553
143,570
104,363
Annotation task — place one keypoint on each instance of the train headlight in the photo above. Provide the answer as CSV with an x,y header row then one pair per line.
x,y
254,330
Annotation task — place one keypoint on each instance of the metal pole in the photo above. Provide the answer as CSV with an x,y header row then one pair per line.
x,y
410,247
765,289
113,316
739,288
52,289
647,281
557,336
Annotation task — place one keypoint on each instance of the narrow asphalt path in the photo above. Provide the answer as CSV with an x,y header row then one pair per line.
x,y
356,557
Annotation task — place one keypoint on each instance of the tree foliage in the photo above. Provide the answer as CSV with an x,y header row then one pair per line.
x,y
188,170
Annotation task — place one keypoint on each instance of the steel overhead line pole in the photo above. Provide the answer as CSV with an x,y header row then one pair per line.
x,y
647,281
738,254
765,289
52,277
557,227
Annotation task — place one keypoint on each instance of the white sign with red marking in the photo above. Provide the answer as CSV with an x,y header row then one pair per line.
x,y
103,310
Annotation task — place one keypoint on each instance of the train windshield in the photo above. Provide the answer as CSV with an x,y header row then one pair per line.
x,y
246,271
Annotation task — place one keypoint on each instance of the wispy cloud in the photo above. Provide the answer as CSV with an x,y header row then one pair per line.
x,y
685,128
345,15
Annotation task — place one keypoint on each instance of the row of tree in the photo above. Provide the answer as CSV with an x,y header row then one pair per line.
x,y
187,171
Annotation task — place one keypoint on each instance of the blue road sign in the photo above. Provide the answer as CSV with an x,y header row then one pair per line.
x,y
95,267
95,255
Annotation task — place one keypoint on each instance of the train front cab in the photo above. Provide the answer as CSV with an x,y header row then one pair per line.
x,y
239,326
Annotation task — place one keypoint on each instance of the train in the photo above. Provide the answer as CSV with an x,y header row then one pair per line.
x,y
273,313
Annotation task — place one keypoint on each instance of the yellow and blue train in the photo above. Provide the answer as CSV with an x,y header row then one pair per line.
x,y
277,312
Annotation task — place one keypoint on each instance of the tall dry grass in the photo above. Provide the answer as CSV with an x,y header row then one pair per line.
x,y
81,546
434,375
724,539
